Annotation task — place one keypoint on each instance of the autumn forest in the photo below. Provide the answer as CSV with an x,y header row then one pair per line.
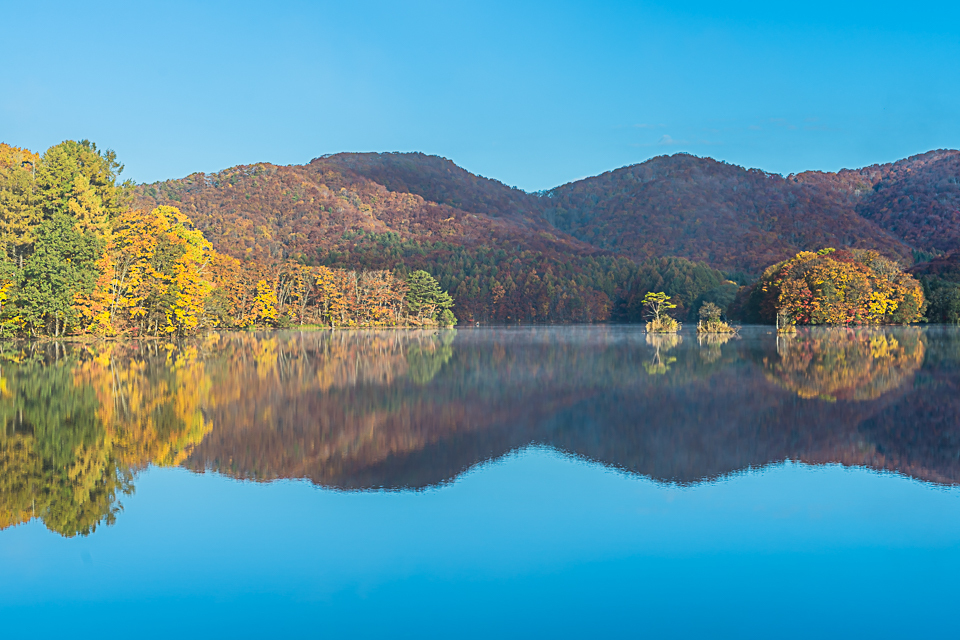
x,y
380,240
80,258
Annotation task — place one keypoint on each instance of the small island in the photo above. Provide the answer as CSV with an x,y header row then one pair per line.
x,y
657,305
710,321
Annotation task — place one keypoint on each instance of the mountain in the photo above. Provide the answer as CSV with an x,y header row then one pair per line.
x,y
573,253
487,243
732,218
439,180
916,199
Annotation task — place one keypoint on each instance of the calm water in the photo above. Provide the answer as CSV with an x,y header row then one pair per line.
x,y
521,482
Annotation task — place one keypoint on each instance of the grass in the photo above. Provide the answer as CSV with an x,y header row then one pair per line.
x,y
715,326
663,324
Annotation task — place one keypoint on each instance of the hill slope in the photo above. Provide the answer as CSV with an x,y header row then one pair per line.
x,y
917,199
498,258
573,252
729,217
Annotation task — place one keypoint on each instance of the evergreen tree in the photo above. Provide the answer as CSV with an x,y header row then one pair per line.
x,y
62,266
424,296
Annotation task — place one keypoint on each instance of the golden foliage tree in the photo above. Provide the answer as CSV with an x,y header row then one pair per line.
x,y
846,287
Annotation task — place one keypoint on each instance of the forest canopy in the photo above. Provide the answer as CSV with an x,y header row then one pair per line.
x,y
829,287
77,257
335,242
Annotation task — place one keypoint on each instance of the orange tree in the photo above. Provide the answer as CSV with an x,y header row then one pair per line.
x,y
846,287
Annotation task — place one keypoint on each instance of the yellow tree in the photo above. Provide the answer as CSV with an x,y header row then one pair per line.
x,y
86,207
265,304
329,294
154,275
19,215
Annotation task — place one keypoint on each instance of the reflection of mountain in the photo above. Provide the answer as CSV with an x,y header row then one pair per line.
x,y
411,409
329,406
588,392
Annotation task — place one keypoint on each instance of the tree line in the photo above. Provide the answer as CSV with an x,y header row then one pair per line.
x,y
76,257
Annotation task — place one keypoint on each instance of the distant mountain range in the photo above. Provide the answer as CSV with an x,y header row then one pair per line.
x,y
484,239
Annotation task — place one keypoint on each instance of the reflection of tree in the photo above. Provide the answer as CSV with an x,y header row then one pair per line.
x,y
307,403
710,345
56,451
75,427
425,359
846,364
343,408
659,364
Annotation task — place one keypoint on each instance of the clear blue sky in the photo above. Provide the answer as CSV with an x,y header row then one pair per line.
x,y
532,93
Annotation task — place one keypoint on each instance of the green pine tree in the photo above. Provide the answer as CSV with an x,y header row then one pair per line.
x,y
425,299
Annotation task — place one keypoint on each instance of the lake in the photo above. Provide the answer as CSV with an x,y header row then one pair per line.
x,y
484,482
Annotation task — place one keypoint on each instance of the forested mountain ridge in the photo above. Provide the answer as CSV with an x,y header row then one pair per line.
x,y
440,180
917,199
508,268
571,253
269,211
732,218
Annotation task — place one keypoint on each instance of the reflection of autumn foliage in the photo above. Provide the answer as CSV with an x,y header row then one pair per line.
x,y
710,344
846,364
152,412
337,393
397,409
661,343
77,426
715,410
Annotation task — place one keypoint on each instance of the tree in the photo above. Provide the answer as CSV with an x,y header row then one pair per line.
x,y
447,319
58,172
55,227
153,276
19,215
838,288
62,267
265,305
709,312
424,296
657,305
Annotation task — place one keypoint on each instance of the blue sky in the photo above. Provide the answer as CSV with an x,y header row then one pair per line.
x,y
532,93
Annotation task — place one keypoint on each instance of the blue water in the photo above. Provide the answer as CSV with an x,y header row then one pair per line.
x,y
535,542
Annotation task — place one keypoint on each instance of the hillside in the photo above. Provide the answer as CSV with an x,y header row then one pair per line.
x,y
439,180
501,261
732,218
916,199
574,252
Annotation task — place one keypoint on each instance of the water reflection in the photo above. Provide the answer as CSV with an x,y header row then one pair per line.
x,y
411,409
662,343
849,364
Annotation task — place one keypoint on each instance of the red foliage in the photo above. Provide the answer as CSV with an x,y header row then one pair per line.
x,y
729,217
